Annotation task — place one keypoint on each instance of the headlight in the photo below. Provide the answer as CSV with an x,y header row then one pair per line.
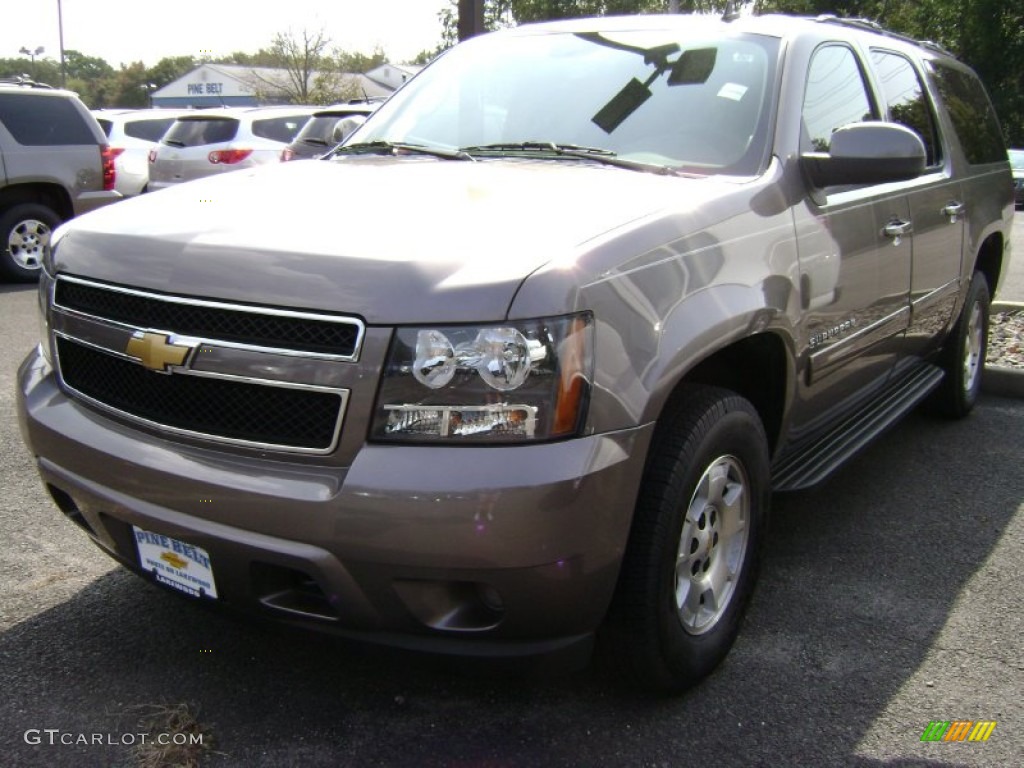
x,y
523,380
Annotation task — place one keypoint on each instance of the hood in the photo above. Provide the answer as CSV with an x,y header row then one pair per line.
x,y
394,240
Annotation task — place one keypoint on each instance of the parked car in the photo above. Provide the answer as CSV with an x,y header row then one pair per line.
x,y
1017,166
132,133
214,141
54,164
657,267
326,128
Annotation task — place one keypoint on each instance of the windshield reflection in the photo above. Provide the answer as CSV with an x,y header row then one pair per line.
x,y
698,104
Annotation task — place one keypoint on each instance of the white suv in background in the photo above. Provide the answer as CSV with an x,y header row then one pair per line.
x,y
132,133
215,141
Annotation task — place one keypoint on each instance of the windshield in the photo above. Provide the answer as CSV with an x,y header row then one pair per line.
x,y
700,104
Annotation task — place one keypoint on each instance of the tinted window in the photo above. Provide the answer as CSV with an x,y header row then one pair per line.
x,y
974,119
835,96
105,124
281,129
195,132
149,130
43,121
905,98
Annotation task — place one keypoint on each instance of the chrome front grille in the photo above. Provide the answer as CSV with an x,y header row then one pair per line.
x,y
252,326
228,373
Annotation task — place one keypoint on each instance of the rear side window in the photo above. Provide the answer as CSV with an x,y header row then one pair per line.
x,y
44,121
973,117
906,100
835,96
148,130
195,132
106,125
281,129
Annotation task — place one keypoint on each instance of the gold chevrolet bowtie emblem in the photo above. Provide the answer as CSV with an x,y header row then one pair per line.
x,y
174,560
155,351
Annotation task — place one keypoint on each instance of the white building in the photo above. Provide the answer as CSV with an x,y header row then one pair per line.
x,y
232,85
392,76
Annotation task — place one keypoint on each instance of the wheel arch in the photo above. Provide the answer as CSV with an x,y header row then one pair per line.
x,y
989,260
53,196
758,367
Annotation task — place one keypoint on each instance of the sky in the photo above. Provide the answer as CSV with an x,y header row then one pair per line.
x,y
125,31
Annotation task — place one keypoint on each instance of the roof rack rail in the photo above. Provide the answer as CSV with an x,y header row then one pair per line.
x,y
874,26
24,81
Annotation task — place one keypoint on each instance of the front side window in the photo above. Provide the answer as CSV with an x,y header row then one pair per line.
x,y
835,96
905,98
701,102
974,118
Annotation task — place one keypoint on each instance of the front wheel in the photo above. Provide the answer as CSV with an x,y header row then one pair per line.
x,y
691,559
963,357
25,232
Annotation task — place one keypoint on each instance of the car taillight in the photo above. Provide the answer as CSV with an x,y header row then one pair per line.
x,y
287,154
152,155
228,156
107,155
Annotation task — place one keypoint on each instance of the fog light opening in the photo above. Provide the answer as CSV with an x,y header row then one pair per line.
x,y
491,598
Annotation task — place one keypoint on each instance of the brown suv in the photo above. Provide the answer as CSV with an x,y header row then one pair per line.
x,y
648,270
54,164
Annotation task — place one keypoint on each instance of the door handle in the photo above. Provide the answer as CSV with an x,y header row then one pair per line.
x,y
897,229
953,210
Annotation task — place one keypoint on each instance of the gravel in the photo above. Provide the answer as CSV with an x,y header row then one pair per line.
x,y
1006,339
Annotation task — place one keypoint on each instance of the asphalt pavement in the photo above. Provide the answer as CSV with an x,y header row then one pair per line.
x,y
889,598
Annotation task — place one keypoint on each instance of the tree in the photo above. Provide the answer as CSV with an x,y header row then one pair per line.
x,y
987,35
169,69
310,75
88,68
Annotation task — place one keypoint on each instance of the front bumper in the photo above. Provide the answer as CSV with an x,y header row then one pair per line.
x,y
484,550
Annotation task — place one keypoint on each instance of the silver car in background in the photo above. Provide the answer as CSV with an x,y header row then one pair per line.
x,y
215,141
132,133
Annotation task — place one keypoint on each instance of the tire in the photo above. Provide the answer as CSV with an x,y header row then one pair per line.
x,y
963,358
691,560
25,232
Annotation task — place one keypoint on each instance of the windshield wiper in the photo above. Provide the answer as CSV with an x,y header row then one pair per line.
x,y
174,142
575,151
381,147
537,146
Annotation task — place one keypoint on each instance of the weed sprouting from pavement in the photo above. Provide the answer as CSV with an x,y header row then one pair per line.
x,y
175,737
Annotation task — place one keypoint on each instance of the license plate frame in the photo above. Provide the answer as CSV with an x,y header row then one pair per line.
x,y
176,563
